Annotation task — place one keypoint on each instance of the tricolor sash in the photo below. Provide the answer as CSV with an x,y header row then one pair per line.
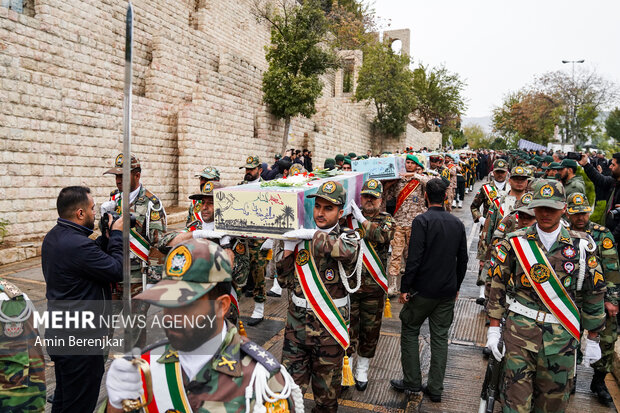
x,y
315,292
370,258
492,194
168,390
233,298
405,192
546,283
138,246
197,216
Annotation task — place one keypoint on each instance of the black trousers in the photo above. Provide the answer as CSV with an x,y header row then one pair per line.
x,y
460,188
78,379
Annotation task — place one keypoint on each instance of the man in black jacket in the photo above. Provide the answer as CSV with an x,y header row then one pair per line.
x,y
79,271
436,266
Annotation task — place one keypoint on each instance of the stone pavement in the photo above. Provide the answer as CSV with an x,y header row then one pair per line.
x,y
464,373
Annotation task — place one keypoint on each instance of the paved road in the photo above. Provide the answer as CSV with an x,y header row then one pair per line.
x,y
466,365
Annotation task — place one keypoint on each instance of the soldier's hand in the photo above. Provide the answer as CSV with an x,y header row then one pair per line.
x,y
123,382
117,225
300,233
205,233
493,336
482,220
592,353
611,309
357,213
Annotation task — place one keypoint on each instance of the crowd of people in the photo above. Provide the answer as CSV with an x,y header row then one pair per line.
x,y
547,273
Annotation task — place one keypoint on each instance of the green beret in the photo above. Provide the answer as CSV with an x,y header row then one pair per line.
x,y
569,163
339,157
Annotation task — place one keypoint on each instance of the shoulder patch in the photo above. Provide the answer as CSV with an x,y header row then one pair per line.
x,y
260,355
155,216
10,289
240,248
607,243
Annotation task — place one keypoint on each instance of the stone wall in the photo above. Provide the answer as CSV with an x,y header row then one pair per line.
x,y
197,101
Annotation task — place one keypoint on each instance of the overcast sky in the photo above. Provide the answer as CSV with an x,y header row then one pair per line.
x,y
499,46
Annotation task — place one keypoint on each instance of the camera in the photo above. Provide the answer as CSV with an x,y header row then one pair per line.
x,y
615,213
105,224
574,155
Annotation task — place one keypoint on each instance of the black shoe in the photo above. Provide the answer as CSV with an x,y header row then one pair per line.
x,y
400,386
486,352
249,293
434,398
255,321
272,294
361,385
480,300
599,388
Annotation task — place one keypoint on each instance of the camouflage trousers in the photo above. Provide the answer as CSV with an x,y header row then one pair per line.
x,y
535,382
400,248
608,340
29,399
258,262
365,324
311,357
22,388
449,198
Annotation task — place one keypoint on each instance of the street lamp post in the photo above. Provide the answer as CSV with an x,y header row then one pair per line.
x,y
573,114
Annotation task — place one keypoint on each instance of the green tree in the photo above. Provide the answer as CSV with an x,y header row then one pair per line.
x,y
476,137
386,81
352,23
612,124
297,58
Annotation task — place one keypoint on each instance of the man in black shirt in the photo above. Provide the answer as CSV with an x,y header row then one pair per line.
x,y
609,188
436,266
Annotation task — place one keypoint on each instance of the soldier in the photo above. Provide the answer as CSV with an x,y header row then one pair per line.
x,y
520,217
346,166
535,279
579,216
409,194
252,247
572,183
552,170
367,303
339,161
316,336
203,366
22,382
208,174
150,217
473,165
454,169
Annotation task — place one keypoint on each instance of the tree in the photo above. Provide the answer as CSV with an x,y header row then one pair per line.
x,y
352,23
386,81
297,57
438,94
612,124
476,137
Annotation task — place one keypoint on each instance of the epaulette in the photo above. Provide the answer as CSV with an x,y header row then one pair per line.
x,y
116,191
10,289
261,356
151,197
155,345
517,233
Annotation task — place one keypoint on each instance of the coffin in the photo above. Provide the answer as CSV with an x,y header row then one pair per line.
x,y
389,167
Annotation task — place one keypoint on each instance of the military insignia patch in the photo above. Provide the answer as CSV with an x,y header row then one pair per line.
x,y
240,248
569,267
208,188
501,255
198,207
303,256
525,281
12,330
329,274
501,227
598,277
577,199
155,216
360,232
249,160
118,209
540,273
279,406
592,262
119,160
569,252
567,282
519,170
415,199
493,194
546,191
607,243
372,184
526,199
178,262
328,187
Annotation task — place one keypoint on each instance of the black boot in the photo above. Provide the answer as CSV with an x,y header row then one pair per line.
x,y
599,388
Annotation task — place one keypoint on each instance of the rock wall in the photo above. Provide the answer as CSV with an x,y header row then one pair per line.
x,y
197,101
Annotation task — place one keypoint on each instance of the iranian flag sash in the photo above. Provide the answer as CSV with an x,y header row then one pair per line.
x,y
545,282
315,292
233,298
370,257
138,246
491,193
196,214
168,391
405,192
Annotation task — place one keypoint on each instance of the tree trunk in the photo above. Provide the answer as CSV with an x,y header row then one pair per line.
x,y
287,127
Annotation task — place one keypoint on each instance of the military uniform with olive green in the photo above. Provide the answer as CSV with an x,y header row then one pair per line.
x,y
210,174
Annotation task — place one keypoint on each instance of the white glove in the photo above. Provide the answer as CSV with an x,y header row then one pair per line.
x,y
493,336
300,233
108,206
482,220
123,382
225,240
593,352
267,245
290,245
206,233
357,214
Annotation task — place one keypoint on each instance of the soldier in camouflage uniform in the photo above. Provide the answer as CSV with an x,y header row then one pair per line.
x,y
150,227
454,169
367,303
212,365
520,217
579,217
203,227
22,382
572,183
312,352
540,347
208,174
409,204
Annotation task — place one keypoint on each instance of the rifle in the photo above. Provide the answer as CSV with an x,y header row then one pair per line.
x,y
492,379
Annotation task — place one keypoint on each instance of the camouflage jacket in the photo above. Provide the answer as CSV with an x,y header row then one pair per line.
x,y
481,199
575,184
508,278
327,249
493,220
22,382
453,171
507,225
221,384
378,231
608,253
414,205
151,224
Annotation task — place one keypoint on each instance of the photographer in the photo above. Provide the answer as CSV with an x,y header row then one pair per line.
x,y
79,269
609,187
